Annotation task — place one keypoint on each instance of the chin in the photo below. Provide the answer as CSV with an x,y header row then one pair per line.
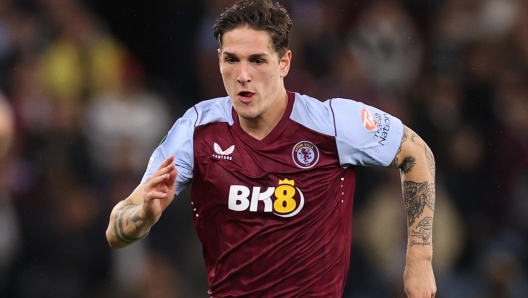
x,y
245,111
247,114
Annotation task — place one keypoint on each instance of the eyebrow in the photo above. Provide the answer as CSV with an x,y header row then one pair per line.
x,y
253,56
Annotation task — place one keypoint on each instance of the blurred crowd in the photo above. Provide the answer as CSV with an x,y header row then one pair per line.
x,y
81,109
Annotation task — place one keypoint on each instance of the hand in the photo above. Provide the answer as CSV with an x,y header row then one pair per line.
x,y
159,190
419,280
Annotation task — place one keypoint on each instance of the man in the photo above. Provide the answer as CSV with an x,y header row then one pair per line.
x,y
273,173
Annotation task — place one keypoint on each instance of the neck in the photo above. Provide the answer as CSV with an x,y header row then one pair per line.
x,y
259,127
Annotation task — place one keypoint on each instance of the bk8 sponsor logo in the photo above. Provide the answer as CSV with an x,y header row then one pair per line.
x,y
285,200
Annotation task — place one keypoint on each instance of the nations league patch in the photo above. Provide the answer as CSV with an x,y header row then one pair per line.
x,y
305,155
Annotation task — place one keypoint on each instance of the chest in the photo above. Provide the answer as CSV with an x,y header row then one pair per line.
x,y
290,176
223,156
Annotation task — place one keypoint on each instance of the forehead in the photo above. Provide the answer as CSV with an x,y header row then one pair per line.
x,y
246,41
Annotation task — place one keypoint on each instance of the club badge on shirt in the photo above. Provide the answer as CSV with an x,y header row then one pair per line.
x,y
305,154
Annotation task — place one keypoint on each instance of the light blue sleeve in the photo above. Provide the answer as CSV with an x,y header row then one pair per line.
x,y
179,142
365,135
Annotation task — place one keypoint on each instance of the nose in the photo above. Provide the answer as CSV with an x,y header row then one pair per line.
x,y
243,74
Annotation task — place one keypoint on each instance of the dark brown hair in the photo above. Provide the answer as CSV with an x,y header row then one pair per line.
x,y
258,15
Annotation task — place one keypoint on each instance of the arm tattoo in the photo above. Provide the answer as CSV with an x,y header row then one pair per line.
x,y
423,231
118,224
407,164
414,135
417,196
394,163
134,218
430,160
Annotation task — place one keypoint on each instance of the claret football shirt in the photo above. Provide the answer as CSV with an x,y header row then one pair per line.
x,y
274,215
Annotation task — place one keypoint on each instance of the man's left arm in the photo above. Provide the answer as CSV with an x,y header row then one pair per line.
x,y
416,163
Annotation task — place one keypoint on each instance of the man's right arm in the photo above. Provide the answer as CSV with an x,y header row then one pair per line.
x,y
132,218
126,226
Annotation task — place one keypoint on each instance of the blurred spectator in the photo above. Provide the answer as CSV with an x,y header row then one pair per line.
x,y
124,125
9,229
82,59
347,79
60,217
521,31
319,25
510,164
6,41
386,42
498,17
510,135
7,126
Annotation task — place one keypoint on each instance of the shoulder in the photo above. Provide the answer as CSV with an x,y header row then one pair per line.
x,y
327,107
209,111
321,115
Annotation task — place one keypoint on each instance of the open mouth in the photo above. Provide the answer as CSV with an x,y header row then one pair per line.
x,y
245,96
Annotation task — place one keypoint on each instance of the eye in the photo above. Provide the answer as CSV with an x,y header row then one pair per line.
x,y
258,61
230,60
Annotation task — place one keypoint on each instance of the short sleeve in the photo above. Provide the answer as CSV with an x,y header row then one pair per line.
x,y
365,135
179,142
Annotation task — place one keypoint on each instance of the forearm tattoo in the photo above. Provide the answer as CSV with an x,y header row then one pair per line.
x,y
417,196
423,231
118,224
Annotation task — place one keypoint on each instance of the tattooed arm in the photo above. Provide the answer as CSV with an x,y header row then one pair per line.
x,y
416,163
132,218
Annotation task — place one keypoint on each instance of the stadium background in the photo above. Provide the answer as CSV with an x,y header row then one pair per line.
x,y
95,85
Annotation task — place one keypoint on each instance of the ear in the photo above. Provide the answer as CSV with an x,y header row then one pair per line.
x,y
285,63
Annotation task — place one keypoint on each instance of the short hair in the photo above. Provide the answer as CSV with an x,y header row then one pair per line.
x,y
258,15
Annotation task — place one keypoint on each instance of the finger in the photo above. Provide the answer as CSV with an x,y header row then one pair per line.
x,y
155,182
167,161
172,176
155,195
165,170
159,179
